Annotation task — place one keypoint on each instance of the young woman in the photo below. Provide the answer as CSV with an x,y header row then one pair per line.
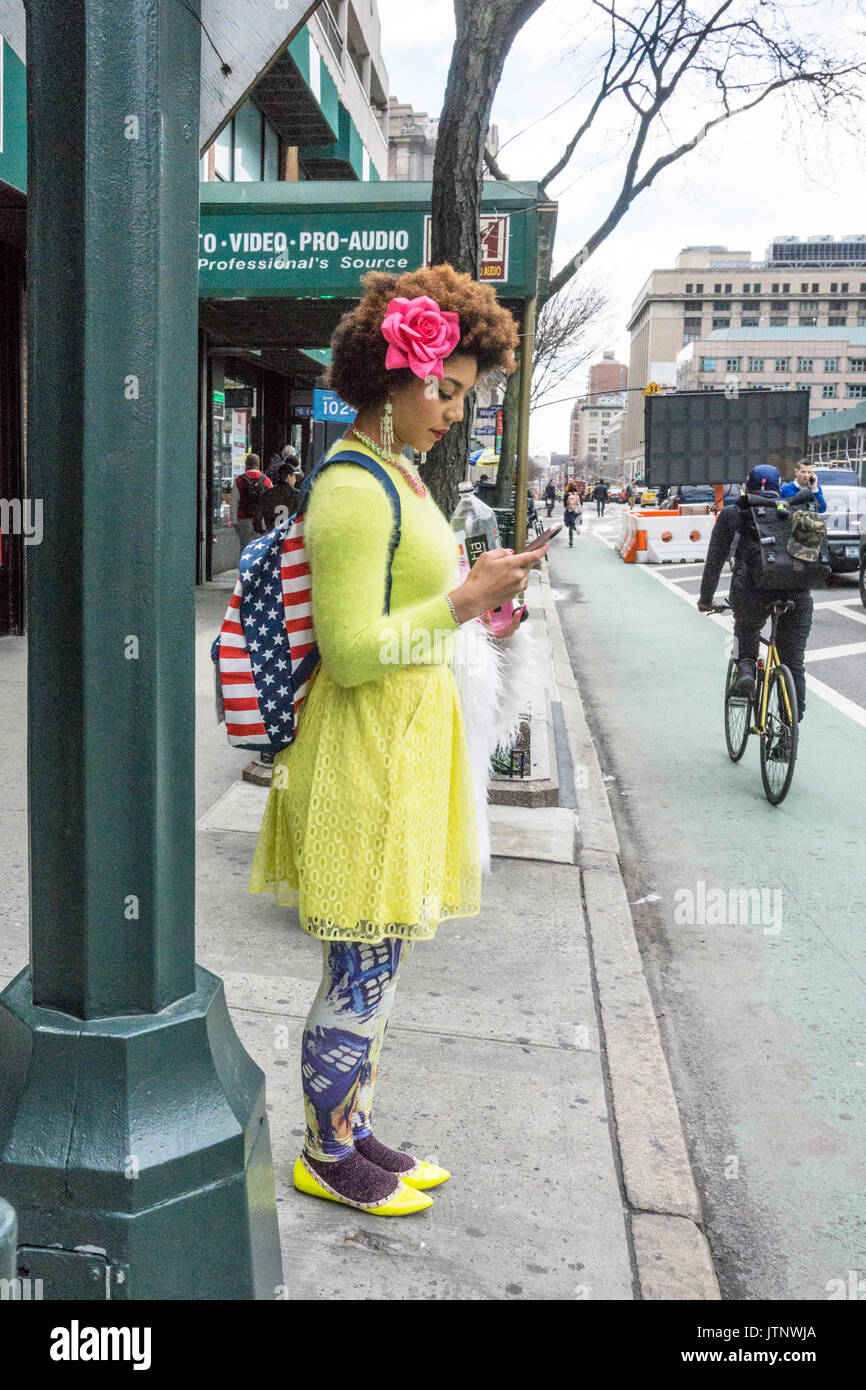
x,y
573,513
371,825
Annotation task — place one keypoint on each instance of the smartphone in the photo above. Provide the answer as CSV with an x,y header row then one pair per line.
x,y
541,541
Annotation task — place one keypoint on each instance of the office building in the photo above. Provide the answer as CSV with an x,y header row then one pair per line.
x,y
818,282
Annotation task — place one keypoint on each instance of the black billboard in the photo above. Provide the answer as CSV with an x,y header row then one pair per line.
x,y
711,437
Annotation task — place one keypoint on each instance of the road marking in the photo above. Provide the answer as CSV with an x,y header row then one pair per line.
x,y
845,612
839,702
830,653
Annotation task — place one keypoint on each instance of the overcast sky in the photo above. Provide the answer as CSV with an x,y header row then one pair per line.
x,y
747,183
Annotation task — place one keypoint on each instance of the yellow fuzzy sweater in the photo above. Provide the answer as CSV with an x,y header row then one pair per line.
x,y
370,827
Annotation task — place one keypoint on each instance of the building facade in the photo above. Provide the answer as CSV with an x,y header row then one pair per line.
x,y
840,438
411,142
311,104
607,377
593,453
817,282
831,362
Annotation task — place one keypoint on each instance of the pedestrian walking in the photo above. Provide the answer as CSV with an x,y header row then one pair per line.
x,y
247,499
274,463
573,514
371,826
283,499
599,496
550,497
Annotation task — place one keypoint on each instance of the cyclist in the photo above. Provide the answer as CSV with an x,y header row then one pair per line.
x,y
752,605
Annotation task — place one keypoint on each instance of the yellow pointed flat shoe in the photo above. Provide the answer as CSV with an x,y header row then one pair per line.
x,y
424,1175
403,1202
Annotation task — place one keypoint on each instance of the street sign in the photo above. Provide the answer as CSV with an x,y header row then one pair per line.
x,y
653,389
327,405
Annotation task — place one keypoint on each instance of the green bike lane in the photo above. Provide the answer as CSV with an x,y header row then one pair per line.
x,y
760,987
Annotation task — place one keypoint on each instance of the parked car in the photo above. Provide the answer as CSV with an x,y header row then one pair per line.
x,y
845,515
694,493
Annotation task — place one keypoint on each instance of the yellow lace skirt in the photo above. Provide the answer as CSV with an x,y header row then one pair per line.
x,y
370,827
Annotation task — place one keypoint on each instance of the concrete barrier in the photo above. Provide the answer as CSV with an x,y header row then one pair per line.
x,y
657,538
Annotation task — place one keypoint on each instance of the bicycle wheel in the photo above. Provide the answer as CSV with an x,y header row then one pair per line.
x,y
779,737
738,717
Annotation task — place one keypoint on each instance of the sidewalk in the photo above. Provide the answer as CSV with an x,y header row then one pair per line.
x,y
523,1051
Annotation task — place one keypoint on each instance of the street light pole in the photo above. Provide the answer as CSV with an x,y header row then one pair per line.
x,y
132,1121
527,353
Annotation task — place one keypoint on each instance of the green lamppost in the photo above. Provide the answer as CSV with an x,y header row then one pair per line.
x,y
134,1142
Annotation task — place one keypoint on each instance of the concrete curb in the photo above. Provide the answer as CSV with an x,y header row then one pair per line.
x,y
672,1257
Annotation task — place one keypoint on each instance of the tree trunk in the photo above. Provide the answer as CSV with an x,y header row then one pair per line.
x,y
486,30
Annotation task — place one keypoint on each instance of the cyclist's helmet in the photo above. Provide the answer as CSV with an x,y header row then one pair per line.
x,y
764,478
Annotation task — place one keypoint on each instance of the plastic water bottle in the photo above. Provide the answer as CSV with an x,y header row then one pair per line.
x,y
474,524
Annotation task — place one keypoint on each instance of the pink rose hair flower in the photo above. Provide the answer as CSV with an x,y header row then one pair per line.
x,y
419,335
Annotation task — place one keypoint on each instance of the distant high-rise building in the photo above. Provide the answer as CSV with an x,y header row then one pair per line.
x,y
608,376
818,283
591,418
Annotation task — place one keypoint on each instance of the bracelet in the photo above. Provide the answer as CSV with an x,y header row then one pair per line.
x,y
453,613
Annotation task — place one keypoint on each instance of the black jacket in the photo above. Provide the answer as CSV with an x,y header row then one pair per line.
x,y
733,522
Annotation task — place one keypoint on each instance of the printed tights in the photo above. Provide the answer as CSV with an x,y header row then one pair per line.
x,y
342,1041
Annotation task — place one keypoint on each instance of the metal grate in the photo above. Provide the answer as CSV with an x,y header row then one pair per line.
x,y
515,761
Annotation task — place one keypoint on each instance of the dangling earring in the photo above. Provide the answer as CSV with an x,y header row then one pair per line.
x,y
386,427
422,459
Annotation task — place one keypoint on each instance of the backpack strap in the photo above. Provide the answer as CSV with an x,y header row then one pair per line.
x,y
362,460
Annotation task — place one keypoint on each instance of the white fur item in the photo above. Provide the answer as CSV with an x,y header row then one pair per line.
x,y
493,675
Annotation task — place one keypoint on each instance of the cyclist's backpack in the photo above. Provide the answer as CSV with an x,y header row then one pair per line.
x,y
266,651
792,552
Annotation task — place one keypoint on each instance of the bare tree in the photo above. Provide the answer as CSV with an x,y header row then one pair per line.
x,y
733,55
486,29
563,339
663,59
567,335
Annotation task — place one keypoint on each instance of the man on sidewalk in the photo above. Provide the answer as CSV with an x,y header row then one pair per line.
x,y
248,495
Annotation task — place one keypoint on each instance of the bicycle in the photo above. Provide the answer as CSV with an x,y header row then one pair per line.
x,y
772,713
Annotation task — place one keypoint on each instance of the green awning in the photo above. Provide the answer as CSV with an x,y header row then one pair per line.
x,y
313,240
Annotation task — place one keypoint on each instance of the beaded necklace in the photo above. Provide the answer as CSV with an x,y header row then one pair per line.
x,y
411,478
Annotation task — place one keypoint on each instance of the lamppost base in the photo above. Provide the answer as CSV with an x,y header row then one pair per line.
x,y
136,1151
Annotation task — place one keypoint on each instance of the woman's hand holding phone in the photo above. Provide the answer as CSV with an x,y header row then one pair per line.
x,y
496,578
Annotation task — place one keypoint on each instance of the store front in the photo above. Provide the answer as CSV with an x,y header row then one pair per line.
x,y
279,264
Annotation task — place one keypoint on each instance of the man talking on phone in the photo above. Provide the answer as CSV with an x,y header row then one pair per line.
x,y
805,478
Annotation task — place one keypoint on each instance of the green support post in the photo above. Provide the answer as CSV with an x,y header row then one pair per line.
x,y
134,1140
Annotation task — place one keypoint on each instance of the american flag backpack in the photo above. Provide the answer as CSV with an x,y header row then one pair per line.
x,y
266,651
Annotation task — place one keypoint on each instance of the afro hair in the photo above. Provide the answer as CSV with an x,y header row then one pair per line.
x,y
357,371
